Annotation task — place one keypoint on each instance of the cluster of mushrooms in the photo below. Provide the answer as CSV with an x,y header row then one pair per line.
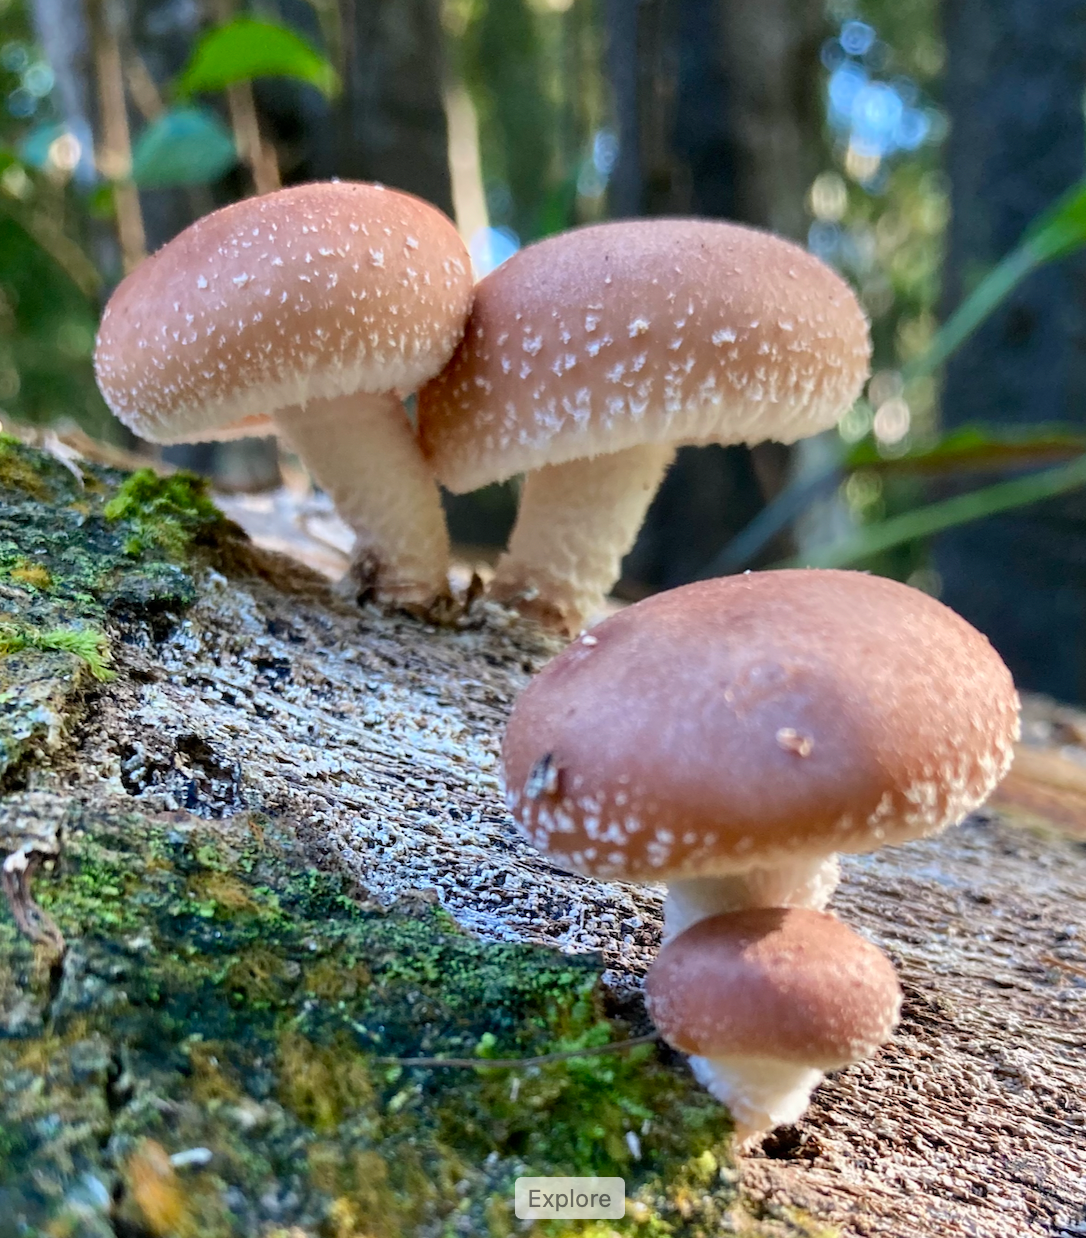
x,y
728,738
582,363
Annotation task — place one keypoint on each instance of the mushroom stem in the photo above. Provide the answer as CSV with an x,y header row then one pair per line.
x,y
361,449
809,882
575,523
760,1092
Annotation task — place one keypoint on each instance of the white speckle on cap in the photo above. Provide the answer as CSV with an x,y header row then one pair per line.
x,y
791,740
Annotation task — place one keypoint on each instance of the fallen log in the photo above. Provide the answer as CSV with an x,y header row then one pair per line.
x,y
260,852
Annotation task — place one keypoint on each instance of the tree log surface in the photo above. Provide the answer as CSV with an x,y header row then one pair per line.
x,y
378,740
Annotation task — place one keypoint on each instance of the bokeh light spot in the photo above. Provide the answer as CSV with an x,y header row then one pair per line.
x,y
490,247
65,152
828,197
892,421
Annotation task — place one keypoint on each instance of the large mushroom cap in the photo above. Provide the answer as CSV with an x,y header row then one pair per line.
x,y
315,291
788,984
668,331
752,720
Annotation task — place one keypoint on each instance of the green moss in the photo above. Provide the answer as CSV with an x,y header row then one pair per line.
x,y
75,552
90,646
108,543
249,1015
163,513
17,472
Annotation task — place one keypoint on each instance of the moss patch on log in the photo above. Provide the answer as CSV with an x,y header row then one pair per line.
x,y
97,540
80,547
224,1003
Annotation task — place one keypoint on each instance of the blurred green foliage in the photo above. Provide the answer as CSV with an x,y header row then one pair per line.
x,y
244,49
534,73
48,285
183,146
900,531
533,69
50,288
48,308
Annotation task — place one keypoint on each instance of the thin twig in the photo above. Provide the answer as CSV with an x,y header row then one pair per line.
x,y
15,878
512,1063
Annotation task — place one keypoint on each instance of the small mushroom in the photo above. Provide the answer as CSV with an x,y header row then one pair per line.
x,y
767,1001
309,312
590,356
730,737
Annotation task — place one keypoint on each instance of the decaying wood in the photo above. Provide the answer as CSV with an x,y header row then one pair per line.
x,y
379,739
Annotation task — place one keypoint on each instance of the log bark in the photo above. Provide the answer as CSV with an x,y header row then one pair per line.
x,y
275,846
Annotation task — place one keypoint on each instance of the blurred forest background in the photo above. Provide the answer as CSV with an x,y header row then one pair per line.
x,y
933,153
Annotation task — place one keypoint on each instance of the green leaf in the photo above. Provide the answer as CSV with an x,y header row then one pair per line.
x,y
1061,229
185,146
976,448
875,538
992,290
557,211
246,48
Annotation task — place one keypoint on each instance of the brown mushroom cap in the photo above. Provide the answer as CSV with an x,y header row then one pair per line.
x,y
643,331
315,291
751,720
790,984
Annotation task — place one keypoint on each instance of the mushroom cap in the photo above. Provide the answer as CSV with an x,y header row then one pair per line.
x,y
663,330
311,292
768,982
753,720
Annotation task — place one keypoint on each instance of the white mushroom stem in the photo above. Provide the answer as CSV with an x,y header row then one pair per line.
x,y
576,522
362,450
760,1092
808,882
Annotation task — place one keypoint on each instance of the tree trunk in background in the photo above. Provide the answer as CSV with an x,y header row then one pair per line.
x,y
162,34
1014,94
718,114
389,124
